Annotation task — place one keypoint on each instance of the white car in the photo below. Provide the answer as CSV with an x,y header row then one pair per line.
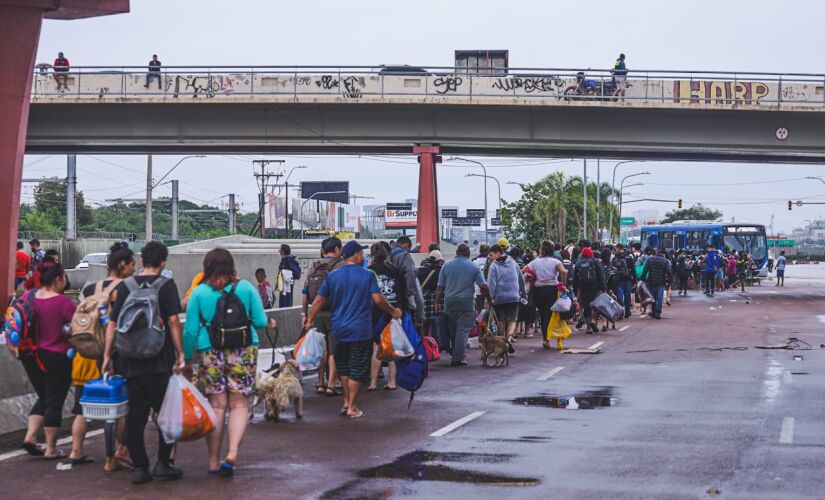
x,y
95,258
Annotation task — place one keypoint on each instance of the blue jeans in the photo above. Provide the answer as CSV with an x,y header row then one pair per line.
x,y
152,75
624,294
459,324
658,292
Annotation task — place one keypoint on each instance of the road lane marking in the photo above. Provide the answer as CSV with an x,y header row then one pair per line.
x,y
60,442
786,434
458,423
625,327
549,374
596,345
787,377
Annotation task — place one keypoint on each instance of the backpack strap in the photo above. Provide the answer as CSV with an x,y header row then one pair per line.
x,y
159,282
131,284
98,287
427,279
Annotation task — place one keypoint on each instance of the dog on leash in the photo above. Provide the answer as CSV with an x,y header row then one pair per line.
x,y
497,347
280,389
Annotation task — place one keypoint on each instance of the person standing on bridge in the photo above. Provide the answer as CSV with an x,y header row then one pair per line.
x,y
352,290
620,76
154,71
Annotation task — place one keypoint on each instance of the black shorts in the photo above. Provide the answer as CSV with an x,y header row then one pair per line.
x,y
507,313
352,359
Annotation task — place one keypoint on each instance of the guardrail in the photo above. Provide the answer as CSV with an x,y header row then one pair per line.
x,y
352,83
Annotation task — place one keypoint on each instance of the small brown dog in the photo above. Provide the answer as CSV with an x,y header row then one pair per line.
x,y
498,347
279,392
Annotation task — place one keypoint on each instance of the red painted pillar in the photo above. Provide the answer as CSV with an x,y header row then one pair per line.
x,y
427,230
19,33
20,22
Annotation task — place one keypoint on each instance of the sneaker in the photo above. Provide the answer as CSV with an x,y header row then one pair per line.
x,y
458,363
140,475
164,472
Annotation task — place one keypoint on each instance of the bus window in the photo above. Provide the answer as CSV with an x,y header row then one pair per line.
x,y
643,239
676,242
665,239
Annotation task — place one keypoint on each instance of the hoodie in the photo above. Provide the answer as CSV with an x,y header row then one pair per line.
x,y
415,299
505,281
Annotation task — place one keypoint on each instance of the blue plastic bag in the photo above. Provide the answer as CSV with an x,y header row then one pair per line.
x,y
311,352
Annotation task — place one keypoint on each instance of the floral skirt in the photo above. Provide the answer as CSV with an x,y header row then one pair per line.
x,y
231,370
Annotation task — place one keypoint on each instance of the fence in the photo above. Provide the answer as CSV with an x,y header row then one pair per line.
x,y
353,83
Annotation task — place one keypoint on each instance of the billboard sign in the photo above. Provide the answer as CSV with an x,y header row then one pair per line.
x,y
401,219
449,213
399,206
495,221
478,213
466,222
337,191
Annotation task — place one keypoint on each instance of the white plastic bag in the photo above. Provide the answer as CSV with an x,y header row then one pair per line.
x,y
311,351
562,304
400,342
186,414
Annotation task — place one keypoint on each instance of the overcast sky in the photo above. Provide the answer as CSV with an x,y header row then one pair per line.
x,y
733,35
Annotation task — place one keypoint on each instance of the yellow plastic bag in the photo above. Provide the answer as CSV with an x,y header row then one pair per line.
x,y
83,370
558,328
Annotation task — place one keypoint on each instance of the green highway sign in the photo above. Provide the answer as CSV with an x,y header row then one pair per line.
x,y
781,243
627,221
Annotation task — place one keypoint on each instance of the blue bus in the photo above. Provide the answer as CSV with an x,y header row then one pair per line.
x,y
695,236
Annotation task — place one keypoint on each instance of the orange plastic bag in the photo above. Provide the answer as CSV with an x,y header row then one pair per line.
x,y
394,343
186,414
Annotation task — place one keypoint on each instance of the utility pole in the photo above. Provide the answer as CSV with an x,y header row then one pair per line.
x,y
149,198
584,196
175,200
232,214
263,182
71,197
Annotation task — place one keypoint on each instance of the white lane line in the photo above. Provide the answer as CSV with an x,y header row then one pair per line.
x,y
625,327
549,374
60,442
458,423
786,434
787,377
596,345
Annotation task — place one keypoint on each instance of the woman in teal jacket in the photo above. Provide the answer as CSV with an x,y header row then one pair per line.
x,y
227,374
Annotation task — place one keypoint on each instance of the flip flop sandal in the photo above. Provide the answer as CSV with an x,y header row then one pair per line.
x,y
124,462
343,411
359,414
388,388
371,389
330,392
60,454
320,390
85,459
227,469
33,449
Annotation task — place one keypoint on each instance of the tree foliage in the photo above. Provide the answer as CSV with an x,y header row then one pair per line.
x,y
696,212
553,207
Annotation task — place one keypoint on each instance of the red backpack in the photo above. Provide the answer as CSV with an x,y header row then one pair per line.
x,y
431,346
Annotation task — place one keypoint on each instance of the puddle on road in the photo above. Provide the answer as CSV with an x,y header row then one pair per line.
x,y
589,400
522,439
428,466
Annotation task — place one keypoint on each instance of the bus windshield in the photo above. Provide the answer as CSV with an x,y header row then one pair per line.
x,y
755,245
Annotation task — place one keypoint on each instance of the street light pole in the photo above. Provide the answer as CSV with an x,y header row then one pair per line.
x,y
287,221
497,184
313,195
484,169
613,189
621,197
150,185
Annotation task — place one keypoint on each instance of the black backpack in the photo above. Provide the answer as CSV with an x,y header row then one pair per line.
x,y
231,327
586,274
622,271
318,274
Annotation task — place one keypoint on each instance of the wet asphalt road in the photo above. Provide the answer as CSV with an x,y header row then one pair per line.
x,y
685,407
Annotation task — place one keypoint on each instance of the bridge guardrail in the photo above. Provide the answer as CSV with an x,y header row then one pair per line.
x,y
355,83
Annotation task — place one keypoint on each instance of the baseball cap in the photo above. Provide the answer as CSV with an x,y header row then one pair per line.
x,y
503,243
351,248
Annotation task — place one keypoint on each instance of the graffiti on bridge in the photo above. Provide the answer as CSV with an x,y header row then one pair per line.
x,y
530,85
202,85
447,84
352,85
718,92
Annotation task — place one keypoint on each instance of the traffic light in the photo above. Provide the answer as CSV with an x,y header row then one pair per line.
x,y
790,205
680,203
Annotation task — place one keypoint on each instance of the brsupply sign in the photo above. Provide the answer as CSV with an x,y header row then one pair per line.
x,y
401,219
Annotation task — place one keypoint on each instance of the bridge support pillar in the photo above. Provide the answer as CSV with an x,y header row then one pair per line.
x,y
19,33
427,230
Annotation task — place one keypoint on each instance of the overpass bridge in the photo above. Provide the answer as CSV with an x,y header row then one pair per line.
x,y
757,117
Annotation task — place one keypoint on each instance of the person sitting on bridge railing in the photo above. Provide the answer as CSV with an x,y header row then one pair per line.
x,y
61,67
154,71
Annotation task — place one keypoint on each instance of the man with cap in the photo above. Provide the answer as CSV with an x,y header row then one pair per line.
x,y
352,290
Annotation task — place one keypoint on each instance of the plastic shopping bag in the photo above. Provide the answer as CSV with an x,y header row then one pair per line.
x,y
311,351
186,414
645,297
562,304
557,328
394,343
